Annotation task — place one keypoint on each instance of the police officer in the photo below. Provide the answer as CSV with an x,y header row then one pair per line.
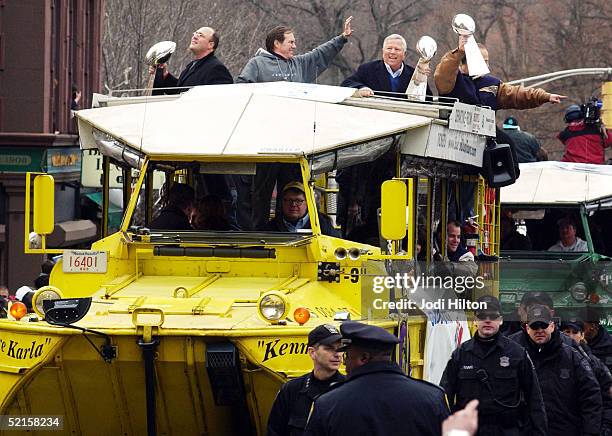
x,y
597,336
574,329
377,398
499,373
571,394
293,402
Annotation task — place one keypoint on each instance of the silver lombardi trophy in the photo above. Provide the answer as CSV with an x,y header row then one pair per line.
x,y
464,25
417,88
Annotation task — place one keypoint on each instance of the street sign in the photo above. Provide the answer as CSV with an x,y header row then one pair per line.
x,y
21,160
63,160
472,119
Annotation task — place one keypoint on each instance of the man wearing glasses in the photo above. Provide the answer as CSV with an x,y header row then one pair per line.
x,y
571,394
294,215
499,374
293,402
204,69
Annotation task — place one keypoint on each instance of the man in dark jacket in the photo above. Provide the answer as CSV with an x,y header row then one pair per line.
x,y
176,215
459,261
377,399
516,321
294,214
293,402
387,76
528,148
500,375
574,328
598,337
204,69
572,396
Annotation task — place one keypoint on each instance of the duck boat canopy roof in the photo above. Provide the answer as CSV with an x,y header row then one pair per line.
x,y
558,183
268,120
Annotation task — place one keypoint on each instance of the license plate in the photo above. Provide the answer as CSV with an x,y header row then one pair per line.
x,y
84,261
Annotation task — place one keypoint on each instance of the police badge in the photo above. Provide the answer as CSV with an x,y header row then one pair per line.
x,y
504,361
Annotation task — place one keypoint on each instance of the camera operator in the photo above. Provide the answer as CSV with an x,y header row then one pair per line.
x,y
585,137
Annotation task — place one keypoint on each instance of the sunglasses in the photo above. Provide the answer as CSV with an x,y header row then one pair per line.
x,y
490,316
538,325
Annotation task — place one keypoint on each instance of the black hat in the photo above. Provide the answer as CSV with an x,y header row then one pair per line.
x,y
324,334
366,336
536,297
573,323
491,304
539,313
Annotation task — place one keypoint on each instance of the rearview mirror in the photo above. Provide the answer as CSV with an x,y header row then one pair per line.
x,y
44,212
393,210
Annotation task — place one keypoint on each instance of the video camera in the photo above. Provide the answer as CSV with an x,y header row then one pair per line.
x,y
591,111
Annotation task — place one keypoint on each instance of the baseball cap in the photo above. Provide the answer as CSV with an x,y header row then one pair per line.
x,y
536,297
324,334
294,185
490,304
573,323
510,123
538,313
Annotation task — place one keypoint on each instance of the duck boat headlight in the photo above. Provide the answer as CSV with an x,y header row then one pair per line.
x,y
273,306
42,294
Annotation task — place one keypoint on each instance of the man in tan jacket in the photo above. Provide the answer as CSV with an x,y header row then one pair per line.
x,y
452,79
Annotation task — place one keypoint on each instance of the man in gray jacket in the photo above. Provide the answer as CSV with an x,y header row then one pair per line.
x,y
278,63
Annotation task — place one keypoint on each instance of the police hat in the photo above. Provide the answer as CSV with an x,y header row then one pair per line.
x,y
574,324
539,313
490,305
324,334
366,336
511,123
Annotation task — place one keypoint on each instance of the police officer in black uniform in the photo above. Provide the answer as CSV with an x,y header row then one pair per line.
x,y
574,329
377,398
571,394
293,402
499,373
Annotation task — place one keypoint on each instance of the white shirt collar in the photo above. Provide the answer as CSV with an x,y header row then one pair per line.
x,y
397,73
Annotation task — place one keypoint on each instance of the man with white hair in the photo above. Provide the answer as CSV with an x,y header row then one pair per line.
x,y
386,76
